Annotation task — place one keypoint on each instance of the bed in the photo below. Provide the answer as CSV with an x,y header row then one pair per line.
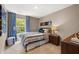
x,y
32,40
70,45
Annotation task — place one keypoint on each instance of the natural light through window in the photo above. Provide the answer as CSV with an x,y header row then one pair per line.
x,y
20,25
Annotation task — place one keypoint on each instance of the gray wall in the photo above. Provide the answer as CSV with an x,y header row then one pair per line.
x,y
20,16
66,19
34,24
4,36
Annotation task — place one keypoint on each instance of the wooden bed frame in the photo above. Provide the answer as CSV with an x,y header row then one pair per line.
x,y
34,47
72,36
68,47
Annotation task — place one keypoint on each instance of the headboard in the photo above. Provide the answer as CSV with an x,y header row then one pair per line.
x,y
48,30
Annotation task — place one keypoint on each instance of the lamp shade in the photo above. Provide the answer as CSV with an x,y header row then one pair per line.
x,y
54,27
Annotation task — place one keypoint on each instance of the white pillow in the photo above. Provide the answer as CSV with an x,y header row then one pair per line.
x,y
45,30
75,39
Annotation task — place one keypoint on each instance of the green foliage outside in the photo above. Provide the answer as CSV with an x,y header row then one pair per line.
x,y
20,25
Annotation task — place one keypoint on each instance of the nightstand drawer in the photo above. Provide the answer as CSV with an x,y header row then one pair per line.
x,y
54,40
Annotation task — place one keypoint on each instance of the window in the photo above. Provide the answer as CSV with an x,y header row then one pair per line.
x,y
20,25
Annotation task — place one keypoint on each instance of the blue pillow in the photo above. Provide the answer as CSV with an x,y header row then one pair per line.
x,y
41,30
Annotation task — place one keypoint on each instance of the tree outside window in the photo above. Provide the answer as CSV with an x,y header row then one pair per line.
x,y
20,25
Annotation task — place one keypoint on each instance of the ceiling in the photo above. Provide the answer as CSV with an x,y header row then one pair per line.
x,y
35,10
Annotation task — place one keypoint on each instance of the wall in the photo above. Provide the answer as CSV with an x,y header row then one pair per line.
x,y
34,24
66,19
4,32
20,16
2,42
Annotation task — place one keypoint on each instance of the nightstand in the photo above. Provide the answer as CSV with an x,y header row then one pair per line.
x,y
54,39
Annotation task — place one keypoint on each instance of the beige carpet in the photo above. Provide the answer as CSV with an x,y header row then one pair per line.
x,y
44,49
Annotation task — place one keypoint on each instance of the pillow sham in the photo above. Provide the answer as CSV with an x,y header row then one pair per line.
x,y
75,39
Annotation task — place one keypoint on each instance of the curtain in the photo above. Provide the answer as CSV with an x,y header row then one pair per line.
x,y
27,24
11,24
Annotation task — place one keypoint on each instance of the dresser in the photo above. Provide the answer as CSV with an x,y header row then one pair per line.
x,y
54,39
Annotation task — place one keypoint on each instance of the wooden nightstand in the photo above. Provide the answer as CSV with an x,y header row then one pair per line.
x,y
54,39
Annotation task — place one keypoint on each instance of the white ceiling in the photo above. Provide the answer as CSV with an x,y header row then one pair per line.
x,y
35,10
